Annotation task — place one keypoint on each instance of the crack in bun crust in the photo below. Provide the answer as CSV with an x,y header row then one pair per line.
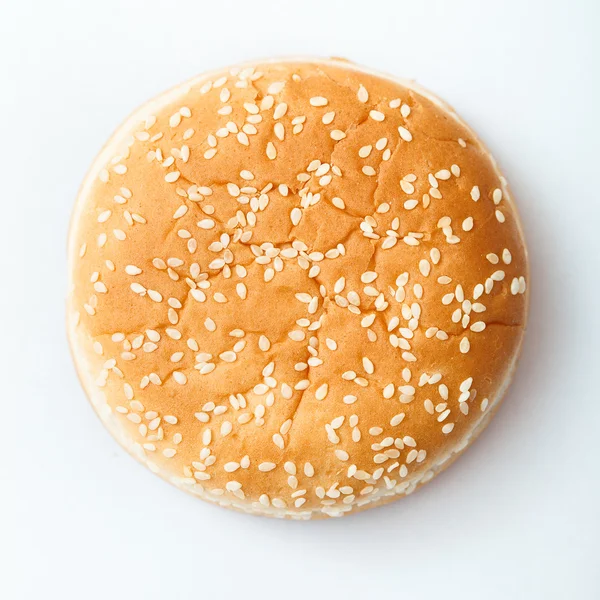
x,y
298,288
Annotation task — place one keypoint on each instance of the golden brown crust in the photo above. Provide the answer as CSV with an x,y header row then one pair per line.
x,y
290,282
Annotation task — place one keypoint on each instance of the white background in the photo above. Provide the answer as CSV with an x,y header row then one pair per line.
x,y
516,518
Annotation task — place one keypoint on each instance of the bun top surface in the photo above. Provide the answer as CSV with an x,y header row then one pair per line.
x,y
297,287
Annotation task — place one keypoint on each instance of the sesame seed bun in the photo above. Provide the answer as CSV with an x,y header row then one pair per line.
x,y
298,288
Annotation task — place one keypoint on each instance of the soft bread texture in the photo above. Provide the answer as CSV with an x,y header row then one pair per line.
x,y
298,288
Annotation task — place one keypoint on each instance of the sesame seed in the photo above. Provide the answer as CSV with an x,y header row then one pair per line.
x,y
276,87
397,419
179,377
321,392
337,422
280,110
295,216
365,151
369,171
341,455
405,134
172,177
318,101
328,117
265,467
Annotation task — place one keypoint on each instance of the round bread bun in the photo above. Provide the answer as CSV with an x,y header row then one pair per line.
x,y
298,287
